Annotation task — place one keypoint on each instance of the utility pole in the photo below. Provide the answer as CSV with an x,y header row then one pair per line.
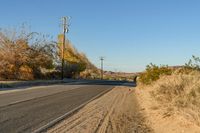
x,y
65,29
102,59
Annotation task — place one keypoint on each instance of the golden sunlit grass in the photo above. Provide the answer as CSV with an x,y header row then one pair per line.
x,y
28,55
179,93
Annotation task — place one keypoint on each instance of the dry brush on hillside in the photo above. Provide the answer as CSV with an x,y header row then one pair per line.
x,y
23,54
177,92
26,55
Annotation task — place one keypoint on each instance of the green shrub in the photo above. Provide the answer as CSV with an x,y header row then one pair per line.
x,y
193,63
153,73
192,66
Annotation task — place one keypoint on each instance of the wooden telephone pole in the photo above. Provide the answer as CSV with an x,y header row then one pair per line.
x,y
65,29
102,59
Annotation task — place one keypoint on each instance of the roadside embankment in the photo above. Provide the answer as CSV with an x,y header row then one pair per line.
x,y
171,104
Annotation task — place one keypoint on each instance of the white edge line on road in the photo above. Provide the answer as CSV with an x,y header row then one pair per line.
x,y
53,122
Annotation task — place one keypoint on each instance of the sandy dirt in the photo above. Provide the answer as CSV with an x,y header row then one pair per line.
x,y
159,118
115,112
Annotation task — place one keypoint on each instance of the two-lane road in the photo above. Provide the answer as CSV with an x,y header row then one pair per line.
x,y
28,110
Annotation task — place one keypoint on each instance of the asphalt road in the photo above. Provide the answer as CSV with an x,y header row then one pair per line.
x,y
28,110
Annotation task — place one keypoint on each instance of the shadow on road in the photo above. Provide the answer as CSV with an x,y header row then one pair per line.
x,y
103,82
28,84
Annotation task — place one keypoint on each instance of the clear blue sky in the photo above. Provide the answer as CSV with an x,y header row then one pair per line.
x,y
128,33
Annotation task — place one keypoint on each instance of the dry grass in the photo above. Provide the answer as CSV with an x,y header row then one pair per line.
x,y
179,93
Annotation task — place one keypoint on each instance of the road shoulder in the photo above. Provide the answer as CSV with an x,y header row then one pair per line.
x,y
115,112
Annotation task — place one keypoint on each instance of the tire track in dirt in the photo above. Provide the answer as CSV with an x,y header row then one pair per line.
x,y
74,120
82,120
102,126
79,118
105,121
112,113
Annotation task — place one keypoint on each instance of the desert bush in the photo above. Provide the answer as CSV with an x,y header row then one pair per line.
x,y
179,92
192,66
153,73
28,55
23,54
90,74
25,73
72,70
193,63
75,62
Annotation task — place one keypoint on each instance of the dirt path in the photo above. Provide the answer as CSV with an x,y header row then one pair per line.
x,y
115,112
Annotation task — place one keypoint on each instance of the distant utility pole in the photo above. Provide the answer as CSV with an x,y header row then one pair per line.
x,y
102,59
65,29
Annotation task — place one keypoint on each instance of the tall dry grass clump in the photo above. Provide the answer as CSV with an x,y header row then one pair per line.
x,y
175,89
179,92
